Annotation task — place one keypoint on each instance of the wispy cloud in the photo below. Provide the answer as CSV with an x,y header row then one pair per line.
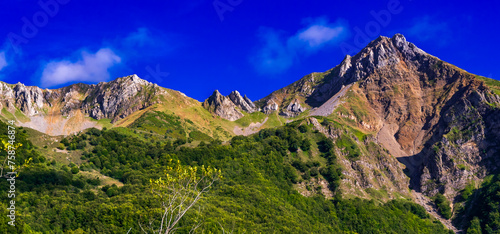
x,y
274,56
3,60
151,42
88,68
426,28
278,52
140,38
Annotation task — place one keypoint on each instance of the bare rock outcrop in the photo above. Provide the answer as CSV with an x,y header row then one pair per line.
x,y
270,107
222,106
64,110
243,103
229,107
293,109
119,98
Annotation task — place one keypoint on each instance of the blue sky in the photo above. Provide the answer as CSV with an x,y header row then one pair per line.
x,y
251,46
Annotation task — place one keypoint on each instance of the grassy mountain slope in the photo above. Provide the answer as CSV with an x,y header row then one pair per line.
x,y
255,195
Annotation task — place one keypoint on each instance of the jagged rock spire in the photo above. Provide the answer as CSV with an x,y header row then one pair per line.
x,y
230,107
222,106
239,101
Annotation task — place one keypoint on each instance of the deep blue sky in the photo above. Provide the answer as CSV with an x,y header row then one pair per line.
x,y
252,46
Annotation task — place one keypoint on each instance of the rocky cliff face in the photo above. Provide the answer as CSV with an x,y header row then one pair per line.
x,y
64,110
372,170
120,98
29,99
243,103
463,145
230,107
435,118
314,90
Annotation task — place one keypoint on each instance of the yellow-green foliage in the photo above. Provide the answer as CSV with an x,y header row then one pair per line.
x,y
349,146
20,116
7,114
255,117
106,123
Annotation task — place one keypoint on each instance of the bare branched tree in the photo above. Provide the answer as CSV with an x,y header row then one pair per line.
x,y
178,192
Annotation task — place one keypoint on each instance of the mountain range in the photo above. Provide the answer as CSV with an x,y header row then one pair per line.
x,y
405,123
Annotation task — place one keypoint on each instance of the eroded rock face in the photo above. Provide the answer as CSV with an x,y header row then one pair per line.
x,y
463,146
119,98
229,107
243,103
28,99
270,107
293,109
53,109
439,117
222,106
375,170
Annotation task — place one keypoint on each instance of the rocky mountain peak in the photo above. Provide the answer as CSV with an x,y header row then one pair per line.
x,y
121,97
235,92
316,89
406,48
399,40
216,94
128,81
112,100
345,65
242,102
229,107
222,106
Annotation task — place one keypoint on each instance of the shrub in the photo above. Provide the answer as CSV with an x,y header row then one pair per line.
x,y
305,145
301,166
443,205
325,145
314,172
75,170
303,128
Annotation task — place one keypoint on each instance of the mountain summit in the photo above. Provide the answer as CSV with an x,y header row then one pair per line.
x,y
316,89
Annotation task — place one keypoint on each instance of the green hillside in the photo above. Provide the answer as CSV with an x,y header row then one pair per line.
x,y
255,195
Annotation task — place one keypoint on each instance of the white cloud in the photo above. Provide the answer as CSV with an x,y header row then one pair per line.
x,y
318,35
89,68
278,53
3,60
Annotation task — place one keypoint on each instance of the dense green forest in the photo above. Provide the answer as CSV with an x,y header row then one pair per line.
x,y
482,209
255,195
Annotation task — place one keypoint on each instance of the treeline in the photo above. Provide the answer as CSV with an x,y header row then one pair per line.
x,y
257,192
